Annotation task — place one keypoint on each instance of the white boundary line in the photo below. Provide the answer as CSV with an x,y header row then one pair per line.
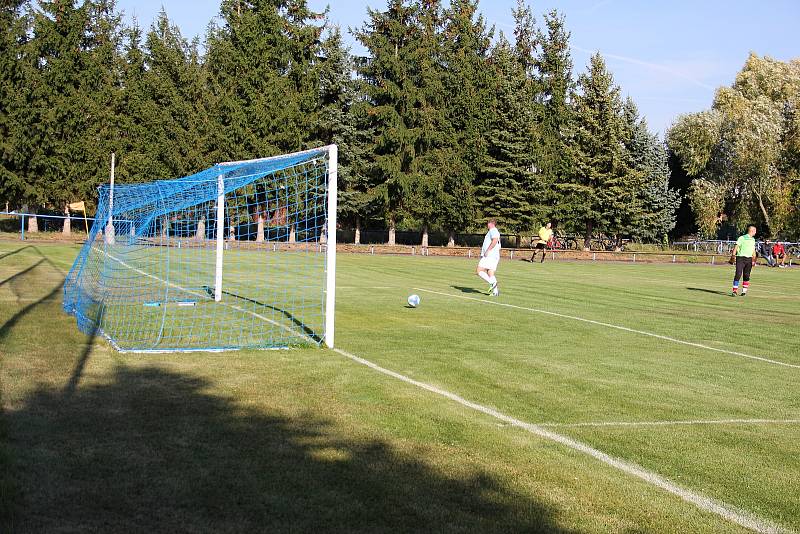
x,y
675,423
707,504
614,326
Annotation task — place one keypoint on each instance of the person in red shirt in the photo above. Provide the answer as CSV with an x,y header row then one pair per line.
x,y
779,253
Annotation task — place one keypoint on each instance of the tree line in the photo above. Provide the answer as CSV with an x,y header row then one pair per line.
x,y
443,123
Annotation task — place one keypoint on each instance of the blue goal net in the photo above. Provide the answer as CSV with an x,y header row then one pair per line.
x,y
241,255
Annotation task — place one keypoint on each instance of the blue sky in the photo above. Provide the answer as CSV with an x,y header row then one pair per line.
x,y
669,56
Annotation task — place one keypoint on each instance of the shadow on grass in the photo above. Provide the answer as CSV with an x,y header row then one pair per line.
x,y
711,291
152,450
24,283
471,290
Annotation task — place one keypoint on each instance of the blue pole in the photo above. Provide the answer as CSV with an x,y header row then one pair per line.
x,y
23,228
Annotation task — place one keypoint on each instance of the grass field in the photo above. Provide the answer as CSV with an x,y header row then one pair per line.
x,y
586,398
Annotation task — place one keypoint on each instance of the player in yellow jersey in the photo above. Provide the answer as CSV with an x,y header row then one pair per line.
x,y
545,240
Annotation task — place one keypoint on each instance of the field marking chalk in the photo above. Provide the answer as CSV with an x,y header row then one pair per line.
x,y
616,327
690,422
702,502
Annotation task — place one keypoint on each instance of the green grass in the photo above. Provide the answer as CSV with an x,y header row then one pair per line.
x,y
306,439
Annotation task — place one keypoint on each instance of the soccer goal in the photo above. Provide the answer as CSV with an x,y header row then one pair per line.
x,y
241,255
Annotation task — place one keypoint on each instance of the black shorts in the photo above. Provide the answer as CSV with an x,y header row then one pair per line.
x,y
744,265
541,246
780,256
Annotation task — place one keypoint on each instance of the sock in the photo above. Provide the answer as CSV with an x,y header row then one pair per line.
x,y
493,280
485,276
745,287
735,286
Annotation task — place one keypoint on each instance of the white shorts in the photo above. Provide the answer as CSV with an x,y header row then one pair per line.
x,y
489,263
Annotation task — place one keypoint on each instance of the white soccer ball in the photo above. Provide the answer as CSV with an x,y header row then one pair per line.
x,y
413,301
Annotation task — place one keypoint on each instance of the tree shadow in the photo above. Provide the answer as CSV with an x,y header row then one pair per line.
x,y
16,251
711,291
152,450
35,303
469,290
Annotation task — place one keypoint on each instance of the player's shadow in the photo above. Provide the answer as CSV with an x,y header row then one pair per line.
x,y
149,449
469,290
711,291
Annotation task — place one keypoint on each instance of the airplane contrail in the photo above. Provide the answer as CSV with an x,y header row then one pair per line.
x,y
649,65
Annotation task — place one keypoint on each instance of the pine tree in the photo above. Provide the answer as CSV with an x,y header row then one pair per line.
x,y
166,123
503,187
338,121
648,155
73,92
402,86
601,194
554,66
467,82
16,66
264,90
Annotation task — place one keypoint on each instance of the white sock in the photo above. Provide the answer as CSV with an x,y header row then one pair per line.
x,y
485,276
493,280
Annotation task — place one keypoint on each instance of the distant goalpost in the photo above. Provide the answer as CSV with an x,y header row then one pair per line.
x,y
240,255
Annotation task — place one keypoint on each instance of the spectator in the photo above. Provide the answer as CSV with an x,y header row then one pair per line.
x,y
765,251
779,255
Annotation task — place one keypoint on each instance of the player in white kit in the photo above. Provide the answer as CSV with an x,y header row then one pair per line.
x,y
490,257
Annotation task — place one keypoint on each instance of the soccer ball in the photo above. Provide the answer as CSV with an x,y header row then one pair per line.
x,y
413,301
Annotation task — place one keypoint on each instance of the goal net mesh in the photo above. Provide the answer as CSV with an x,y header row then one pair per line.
x,y
231,257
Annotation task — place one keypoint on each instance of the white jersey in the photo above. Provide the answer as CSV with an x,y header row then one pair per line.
x,y
493,233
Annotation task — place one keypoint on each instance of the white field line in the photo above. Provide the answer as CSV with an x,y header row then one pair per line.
x,y
707,504
366,287
197,293
675,423
616,327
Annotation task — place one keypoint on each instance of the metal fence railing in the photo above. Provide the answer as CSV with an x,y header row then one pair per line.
x,y
716,246
17,222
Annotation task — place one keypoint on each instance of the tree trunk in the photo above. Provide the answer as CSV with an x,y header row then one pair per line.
x,y
587,237
260,229
424,236
67,230
292,237
518,242
33,223
201,229
358,230
391,231
766,215
451,239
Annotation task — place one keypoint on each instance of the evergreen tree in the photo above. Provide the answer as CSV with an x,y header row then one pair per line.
x,y
166,123
648,155
16,65
504,182
264,89
402,86
554,65
73,99
526,37
339,122
467,82
601,194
